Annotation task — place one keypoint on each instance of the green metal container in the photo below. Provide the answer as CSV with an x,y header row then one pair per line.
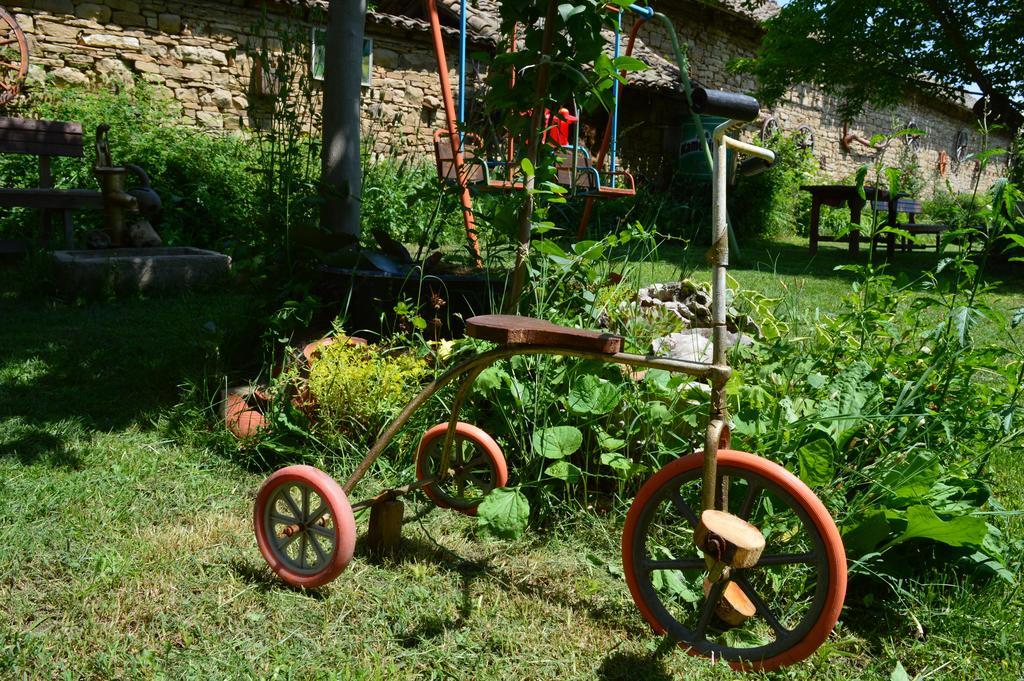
x,y
692,161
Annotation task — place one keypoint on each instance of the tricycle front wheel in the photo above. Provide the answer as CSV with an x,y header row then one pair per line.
x,y
793,594
304,526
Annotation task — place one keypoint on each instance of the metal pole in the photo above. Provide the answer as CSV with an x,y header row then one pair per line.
x,y
615,96
462,65
588,206
719,261
453,132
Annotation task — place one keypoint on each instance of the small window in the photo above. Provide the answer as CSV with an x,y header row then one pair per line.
x,y
319,56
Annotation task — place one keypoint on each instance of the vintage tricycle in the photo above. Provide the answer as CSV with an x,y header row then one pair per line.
x,y
728,554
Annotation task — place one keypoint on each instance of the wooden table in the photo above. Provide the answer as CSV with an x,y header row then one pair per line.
x,y
836,195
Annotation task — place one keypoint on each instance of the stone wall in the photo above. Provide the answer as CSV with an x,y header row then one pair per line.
x,y
201,53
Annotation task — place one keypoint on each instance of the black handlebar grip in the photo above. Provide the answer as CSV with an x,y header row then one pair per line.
x,y
752,166
726,104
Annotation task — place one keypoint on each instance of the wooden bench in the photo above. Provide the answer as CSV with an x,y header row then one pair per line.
x,y
46,139
912,209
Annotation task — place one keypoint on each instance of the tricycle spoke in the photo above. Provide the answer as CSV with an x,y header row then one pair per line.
x,y
684,508
305,504
318,513
321,557
283,519
482,484
786,559
286,495
323,532
676,564
762,608
748,501
714,595
476,461
303,540
288,541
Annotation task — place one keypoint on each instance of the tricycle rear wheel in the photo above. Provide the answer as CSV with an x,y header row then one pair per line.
x,y
475,467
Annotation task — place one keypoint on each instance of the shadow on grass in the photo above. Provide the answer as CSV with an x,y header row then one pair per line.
x,y
35,445
629,666
415,549
107,365
264,580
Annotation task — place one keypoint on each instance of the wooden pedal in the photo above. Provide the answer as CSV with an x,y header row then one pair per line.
x,y
733,608
728,539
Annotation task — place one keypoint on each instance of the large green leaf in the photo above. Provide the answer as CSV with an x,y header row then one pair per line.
x,y
563,470
592,395
816,462
568,10
490,378
673,581
863,535
608,443
503,513
557,442
852,397
899,673
910,480
922,523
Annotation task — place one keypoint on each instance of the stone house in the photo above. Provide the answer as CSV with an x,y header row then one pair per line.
x,y
202,54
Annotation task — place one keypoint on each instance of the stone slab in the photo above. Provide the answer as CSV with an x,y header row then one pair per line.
x,y
138,270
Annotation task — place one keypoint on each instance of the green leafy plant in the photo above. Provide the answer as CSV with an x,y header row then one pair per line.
x,y
203,178
771,203
358,388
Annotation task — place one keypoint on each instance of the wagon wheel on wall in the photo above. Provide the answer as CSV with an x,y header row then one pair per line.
x,y
13,57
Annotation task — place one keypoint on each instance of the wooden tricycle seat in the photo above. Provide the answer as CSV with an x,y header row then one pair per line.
x,y
515,330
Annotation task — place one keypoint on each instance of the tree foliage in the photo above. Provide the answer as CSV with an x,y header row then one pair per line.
x,y
871,51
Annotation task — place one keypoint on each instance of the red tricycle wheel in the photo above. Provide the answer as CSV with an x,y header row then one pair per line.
x,y
476,466
796,588
304,526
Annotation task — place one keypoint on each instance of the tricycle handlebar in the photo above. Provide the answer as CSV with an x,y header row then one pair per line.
x,y
725,104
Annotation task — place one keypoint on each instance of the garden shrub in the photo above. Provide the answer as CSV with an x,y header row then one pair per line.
x,y
771,203
403,198
359,388
202,178
890,408
956,210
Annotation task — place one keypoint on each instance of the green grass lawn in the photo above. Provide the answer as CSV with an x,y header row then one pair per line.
x,y
128,552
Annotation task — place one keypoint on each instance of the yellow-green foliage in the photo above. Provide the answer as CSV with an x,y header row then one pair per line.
x,y
358,387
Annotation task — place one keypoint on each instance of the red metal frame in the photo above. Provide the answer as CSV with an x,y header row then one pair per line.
x,y
453,133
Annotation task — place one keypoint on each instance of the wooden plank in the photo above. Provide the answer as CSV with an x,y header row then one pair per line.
x,y
45,173
51,198
919,228
7,123
515,330
41,137
40,149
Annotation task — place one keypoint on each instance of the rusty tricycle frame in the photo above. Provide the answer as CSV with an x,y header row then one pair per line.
x,y
730,546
